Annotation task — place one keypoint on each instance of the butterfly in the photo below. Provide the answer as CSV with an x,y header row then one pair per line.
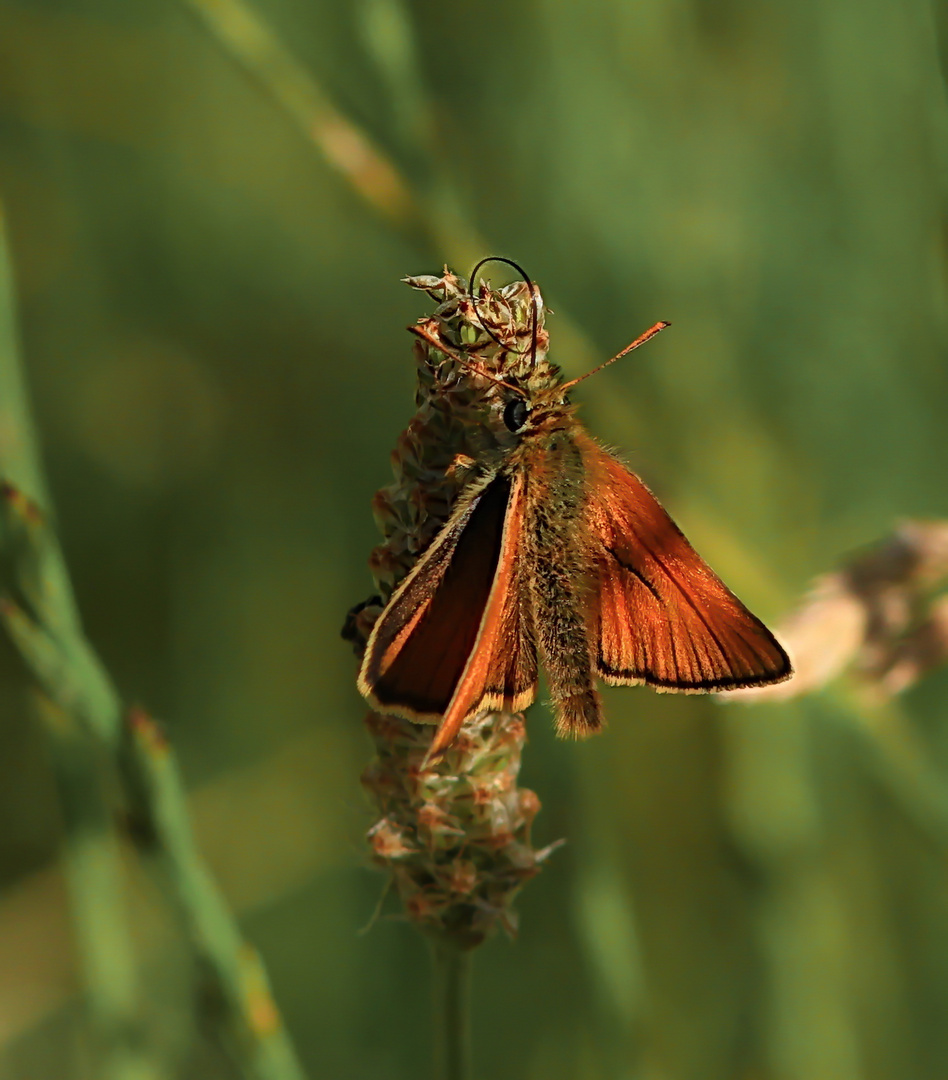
x,y
553,552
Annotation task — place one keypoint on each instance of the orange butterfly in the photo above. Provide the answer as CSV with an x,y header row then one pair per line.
x,y
555,549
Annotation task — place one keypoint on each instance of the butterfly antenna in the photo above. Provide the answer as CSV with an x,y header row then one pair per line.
x,y
535,327
640,340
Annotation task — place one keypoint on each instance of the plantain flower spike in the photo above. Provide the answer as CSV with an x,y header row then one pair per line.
x,y
453,835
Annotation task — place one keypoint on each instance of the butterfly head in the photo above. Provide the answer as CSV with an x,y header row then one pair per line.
x,y
547,410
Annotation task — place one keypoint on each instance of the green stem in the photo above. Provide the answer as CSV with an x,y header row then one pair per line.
x,y
93,739
452,1012
90,846
232,969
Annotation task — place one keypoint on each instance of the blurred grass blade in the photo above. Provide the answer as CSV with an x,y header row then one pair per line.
x,y
348,149
83,717
91,852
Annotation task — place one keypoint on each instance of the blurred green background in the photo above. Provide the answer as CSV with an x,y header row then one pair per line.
x,y
207,261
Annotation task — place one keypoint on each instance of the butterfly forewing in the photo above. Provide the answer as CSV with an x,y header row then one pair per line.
x,y
428,656
422,640
501,672
661,615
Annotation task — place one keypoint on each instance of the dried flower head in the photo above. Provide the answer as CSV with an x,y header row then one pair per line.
x,y
456,836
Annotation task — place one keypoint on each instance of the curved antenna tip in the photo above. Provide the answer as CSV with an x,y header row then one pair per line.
x,y
534,295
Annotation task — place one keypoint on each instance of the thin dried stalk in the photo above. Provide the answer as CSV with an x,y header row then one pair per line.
x,y
452,990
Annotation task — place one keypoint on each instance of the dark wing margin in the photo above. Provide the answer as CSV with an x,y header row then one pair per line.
x,y
659,614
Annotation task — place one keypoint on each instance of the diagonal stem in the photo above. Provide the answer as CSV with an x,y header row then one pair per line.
x,y
428,216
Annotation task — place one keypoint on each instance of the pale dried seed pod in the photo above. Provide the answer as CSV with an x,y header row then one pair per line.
x,y
879,614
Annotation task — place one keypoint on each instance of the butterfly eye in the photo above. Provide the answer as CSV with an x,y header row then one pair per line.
x,y
515,414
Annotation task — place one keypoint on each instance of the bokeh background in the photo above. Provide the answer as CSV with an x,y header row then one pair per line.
x,y
208,209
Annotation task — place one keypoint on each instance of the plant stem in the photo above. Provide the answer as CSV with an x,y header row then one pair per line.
x,y
452,1011
93,739
91,847
250,1022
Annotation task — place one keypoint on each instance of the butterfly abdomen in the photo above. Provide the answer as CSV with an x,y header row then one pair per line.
x,y
559,578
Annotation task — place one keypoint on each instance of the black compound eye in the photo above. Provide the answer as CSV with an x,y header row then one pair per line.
x,y
515,414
